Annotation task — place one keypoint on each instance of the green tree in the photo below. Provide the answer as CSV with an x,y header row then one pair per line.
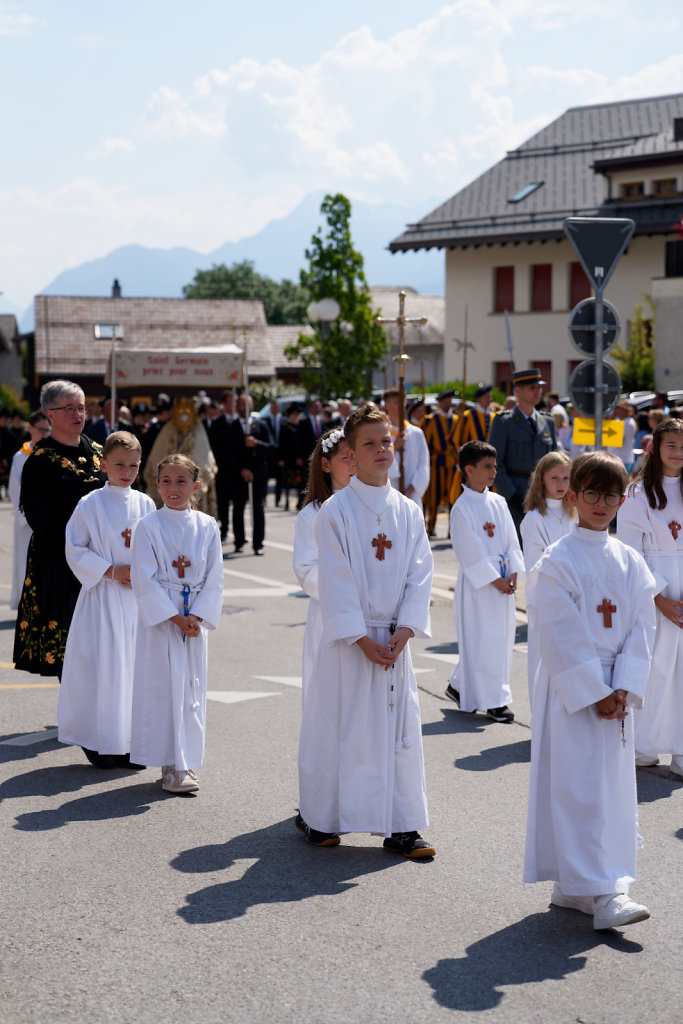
x,y
284,302
339,361
636,362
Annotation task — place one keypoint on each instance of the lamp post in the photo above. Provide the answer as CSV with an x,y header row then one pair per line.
x,y
113,332
324,312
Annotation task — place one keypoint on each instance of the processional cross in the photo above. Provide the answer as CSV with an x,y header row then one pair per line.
x,y
126,536
464,345
675,528
181,564
401,320
606,609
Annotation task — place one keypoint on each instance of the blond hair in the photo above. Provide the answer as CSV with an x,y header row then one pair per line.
x,y
535,496
121,439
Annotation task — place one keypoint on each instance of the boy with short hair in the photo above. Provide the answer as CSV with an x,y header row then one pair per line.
x,y
366,772
596,626
485,543
96,695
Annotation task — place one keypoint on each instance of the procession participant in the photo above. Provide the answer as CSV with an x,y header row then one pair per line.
x,y
95,699
330,471
521,437
226,464
374,583
489,559
60,470
596,625
274,421
38,428
473,425
439,428
651,521
549,516
252,446
177,577
309,429
184,433
287,453
415,452
416,412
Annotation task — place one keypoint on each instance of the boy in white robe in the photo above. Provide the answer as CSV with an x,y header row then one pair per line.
x,y
596,623
374,584
490,559
96,695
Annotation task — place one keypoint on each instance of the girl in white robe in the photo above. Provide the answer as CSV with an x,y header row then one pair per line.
x,y
330,471
177,578
651,521
365,767
95,698
485,543
595,617
549,516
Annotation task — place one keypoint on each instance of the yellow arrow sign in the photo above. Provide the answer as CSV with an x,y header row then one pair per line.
x,y
612,432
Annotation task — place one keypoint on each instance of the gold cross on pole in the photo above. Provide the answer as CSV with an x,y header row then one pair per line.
x,y
401,320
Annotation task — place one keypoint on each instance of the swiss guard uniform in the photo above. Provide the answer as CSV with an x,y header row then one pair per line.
x,y
473,425
520,442
439,429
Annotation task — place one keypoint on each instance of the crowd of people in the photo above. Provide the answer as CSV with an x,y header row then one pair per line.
x,y
119,588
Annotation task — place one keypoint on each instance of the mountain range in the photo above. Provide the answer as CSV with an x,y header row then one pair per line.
x,y
277,251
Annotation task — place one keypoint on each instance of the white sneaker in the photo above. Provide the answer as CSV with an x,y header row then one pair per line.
x,y
616,910
645,760
562,899
676,765
178,781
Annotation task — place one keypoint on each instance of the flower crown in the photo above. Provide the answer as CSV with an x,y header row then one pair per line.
x,y
335,437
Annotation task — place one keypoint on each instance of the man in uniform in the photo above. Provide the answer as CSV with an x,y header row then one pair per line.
x,y
439,428
521,437
473,425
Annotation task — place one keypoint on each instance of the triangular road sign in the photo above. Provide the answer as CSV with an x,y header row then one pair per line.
x,y
599,242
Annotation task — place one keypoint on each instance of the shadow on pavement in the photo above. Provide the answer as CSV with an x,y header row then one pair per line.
x,y
287,870
541,947
450,648
53,781
455,721
115,803
10,753
496,757
656,783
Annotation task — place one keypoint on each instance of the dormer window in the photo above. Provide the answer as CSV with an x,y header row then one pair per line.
x,y
526,191
633,190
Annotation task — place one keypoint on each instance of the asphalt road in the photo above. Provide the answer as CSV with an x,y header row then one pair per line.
x,y
124,904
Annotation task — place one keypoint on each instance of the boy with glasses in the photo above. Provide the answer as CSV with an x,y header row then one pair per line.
x,y
596,624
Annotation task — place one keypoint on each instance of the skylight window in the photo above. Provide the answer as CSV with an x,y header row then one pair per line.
x,y
526,191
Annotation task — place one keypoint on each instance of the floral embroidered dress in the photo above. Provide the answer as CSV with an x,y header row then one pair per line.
x,y
55,478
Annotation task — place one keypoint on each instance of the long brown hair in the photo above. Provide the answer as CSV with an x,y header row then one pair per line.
x,y
319,487
535,496
652,470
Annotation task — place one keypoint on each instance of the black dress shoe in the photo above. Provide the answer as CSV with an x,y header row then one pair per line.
x,y
500,714
258,551
101,760
238,548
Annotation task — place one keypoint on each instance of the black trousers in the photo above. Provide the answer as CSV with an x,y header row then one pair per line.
x,y
259,489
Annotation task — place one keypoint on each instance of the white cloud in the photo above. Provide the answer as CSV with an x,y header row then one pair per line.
x,y
112,146
659,79
13,24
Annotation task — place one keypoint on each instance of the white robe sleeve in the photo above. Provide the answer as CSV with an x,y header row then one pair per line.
x,y
632,664
340,605
305,557
414,608
208,603
87,566
420,476
153,601
633,529
473,558
533,543
14,484
513,552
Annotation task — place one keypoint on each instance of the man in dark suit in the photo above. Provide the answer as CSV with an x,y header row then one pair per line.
x,y
521,437
309,428
274,423
220,439
252,446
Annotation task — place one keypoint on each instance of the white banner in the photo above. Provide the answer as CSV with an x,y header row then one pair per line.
x,y
194,367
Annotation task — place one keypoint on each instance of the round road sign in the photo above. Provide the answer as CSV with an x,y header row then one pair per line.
x,y
582,326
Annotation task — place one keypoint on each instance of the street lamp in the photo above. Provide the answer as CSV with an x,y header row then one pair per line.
x,y
324,312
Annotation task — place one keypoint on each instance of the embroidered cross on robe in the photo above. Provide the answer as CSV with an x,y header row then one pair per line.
x,y
181,564
490,528
380,542
126,534
606,609
675,528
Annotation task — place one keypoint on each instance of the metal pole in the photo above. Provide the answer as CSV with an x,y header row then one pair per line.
x,y
112,389
599,331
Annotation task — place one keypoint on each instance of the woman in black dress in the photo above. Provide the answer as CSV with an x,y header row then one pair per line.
x,y
60,470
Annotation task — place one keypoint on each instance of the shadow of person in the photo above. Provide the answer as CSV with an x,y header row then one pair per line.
x,y
495,757
53,781
522,633
541,947
454,721
115,803
286,870
656,783
10,752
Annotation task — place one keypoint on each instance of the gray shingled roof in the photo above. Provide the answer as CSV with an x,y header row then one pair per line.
x,y
568,156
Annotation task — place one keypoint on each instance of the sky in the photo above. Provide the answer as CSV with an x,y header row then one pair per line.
x,y
165,123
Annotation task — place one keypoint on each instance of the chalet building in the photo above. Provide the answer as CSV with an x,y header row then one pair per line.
x,y
506,249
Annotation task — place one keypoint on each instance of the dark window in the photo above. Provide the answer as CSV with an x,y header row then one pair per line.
x,y
503,289
678,129
579,285
633,190
674,259
502,376
665,187
526,191
542,286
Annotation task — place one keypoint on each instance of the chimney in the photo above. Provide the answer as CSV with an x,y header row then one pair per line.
x,y
116,289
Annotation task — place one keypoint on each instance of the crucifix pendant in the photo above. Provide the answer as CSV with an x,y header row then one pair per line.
x,y
675,528
181,564
381,543
489,528
126,534
606,609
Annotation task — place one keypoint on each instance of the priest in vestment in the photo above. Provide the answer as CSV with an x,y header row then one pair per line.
x,y
185,433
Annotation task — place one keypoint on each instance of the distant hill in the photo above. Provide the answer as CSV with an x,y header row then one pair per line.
x,y
277,251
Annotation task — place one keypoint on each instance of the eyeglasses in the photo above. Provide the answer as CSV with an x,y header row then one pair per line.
x,y
593,497
68,409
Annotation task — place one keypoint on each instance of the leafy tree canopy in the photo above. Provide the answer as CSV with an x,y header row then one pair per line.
x,y
636,361
284,302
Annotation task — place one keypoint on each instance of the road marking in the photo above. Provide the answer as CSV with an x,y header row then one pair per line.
x,y
28,686
279,545
449,659
417,671
29,738
269,588
6,664
285,680
439,592
235,696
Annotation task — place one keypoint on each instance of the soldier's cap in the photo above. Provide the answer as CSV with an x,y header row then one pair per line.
x,y
530,376
483,389
445,394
